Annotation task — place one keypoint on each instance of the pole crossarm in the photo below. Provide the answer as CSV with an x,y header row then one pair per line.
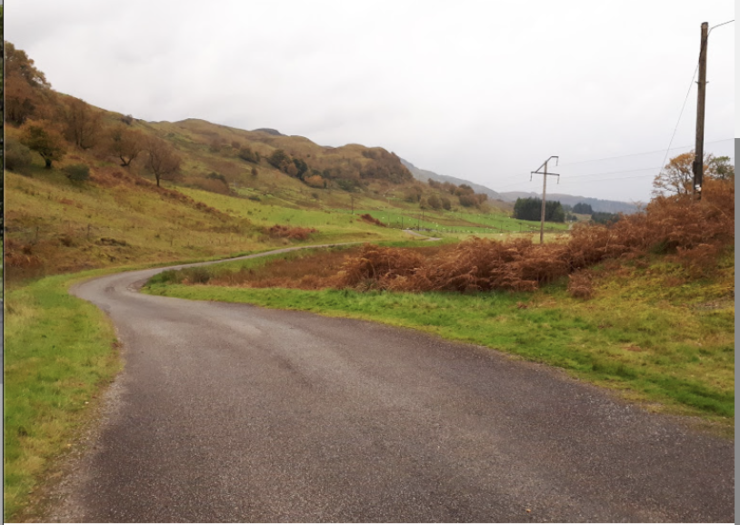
x,y
544,190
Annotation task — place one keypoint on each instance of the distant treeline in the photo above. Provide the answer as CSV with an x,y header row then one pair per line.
x,y
530,209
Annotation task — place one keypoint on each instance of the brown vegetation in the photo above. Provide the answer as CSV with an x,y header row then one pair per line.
x,y
691,232
291,233
372,220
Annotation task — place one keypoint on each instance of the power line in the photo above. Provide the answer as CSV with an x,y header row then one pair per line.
x,y
638,154
719,25
609,173
680,115
567,178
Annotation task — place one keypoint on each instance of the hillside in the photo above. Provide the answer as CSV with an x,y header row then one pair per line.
x,y
425,175
91,188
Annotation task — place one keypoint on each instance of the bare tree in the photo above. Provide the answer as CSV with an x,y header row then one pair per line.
x,y
126,144
162,160
82,124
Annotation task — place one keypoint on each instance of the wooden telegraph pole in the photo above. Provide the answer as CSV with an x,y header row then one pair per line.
x,y
698,166
544,190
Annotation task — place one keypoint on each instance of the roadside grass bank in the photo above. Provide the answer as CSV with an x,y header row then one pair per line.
x,y
60,351
651,333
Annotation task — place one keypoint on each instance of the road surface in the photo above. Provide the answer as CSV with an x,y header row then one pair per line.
x,y
229,412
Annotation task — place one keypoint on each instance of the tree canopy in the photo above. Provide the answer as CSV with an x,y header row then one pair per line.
x,y
44,140
677,177
530,209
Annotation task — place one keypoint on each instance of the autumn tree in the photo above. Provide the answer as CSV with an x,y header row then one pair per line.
x,y
677,177
81,123
162,159
44,140
126,144
25,89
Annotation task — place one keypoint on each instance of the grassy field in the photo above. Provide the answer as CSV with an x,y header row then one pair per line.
x,y
650,333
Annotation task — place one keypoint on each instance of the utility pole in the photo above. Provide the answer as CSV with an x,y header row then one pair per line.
x,y
544,190
699,149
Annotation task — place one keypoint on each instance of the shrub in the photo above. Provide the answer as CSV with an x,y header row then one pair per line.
x,y
315,181
388,268
77,172
372,220
434,202
247,154
695,233
292,233
580,285
197,275
17,156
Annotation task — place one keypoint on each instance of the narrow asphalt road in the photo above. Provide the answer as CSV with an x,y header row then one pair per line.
x,y
231,412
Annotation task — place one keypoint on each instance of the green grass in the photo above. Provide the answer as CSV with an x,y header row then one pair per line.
x,y
59,352
652,343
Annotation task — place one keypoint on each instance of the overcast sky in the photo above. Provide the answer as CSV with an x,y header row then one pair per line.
x,y
481,90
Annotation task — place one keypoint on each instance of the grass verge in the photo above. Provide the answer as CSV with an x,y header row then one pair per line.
x,y
60,351
649,333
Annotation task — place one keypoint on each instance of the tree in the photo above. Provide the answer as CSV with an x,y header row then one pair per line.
x,y
721,168
278,158
81,123
677,177
25,88
434,202
44,140
583,208
126,144
17,62
301,166
247,154
162,160
467,200
604,217
530,209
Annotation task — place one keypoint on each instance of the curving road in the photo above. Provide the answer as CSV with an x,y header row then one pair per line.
x,y
230,412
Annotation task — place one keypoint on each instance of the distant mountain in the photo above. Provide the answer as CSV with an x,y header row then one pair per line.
x,y
270,131
425,175
598,205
